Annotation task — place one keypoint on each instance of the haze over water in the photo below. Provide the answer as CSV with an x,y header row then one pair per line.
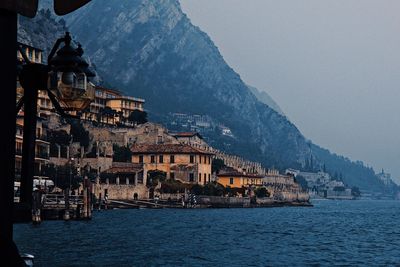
x,y
331,233
333,66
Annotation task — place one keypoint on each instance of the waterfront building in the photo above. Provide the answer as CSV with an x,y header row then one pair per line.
x,y
238,179
177,161
121,181
284,187
385,177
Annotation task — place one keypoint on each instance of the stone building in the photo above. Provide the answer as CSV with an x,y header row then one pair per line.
x,y
238,179
284,187
122,181
177,161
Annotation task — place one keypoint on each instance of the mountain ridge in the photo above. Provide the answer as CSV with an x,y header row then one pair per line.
x,y
150,49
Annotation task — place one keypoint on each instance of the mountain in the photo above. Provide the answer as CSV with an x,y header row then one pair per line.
x,y
265,98
150,49
41,31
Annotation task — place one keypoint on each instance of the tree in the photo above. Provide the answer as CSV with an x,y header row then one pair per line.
x,y
67,175
217,165
301,181
261,192
138,117
79,134
61,138
153,177
122,153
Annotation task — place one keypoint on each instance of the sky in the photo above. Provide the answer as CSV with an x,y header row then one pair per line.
x,y
333,66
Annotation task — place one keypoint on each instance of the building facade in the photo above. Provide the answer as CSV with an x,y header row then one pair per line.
x,y
239,180
177,161
111,107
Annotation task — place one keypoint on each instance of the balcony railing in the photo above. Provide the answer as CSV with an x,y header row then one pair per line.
x,y
42,137
42,155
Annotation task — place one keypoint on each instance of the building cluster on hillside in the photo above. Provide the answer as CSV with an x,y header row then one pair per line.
x,y
156,155
202,124
322,185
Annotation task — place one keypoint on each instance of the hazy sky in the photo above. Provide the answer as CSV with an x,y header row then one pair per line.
x,y
333,66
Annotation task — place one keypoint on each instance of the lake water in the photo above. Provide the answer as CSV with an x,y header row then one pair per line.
x,y
332,232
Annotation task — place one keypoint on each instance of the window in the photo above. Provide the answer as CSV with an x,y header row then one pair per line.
x,y
191,177
191,159
152,159
141,159
209,160
205,178
161,159
209,177
199,177
172,159
172,175
231,180
200,159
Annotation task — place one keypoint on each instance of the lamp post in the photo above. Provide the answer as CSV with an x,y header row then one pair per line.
x,y
65,80
8,71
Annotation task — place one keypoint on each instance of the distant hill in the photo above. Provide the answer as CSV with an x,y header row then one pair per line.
x,y
150,49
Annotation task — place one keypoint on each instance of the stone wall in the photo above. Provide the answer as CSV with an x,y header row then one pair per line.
x,y
121,191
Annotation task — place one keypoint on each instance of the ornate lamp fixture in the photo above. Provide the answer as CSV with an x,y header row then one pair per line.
x,y
65,78
68,76
8,32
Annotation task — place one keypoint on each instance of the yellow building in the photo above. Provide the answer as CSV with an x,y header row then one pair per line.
x,y
177,161
125,104
111,107
239,180
35,55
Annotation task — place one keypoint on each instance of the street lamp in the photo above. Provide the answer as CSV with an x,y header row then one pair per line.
x,y
8,34
65,80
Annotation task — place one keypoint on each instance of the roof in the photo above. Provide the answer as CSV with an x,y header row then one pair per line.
x,y
239,174
125,97
187,134
26,45
115,91
167,149
123,167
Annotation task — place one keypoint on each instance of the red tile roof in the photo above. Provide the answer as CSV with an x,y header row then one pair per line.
x,y
122,167
167,149
239,174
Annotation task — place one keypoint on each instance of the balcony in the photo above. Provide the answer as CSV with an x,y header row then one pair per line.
x,y
42,155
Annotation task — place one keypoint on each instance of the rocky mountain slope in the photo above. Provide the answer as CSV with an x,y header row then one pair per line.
x,y
265,98
150,49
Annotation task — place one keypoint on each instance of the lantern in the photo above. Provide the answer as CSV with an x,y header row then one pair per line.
x,y
68,77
